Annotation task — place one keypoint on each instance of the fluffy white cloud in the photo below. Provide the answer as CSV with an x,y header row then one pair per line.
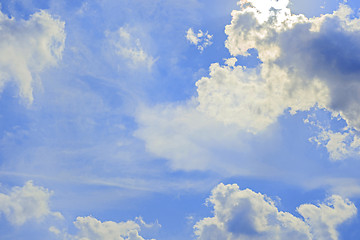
x,y
324,218
92,229
340,144
129,47
200,39
244,214
27,47
305,63
253,99
25,203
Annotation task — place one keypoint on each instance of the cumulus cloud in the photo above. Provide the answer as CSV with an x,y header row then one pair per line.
x,y
324,218
130,48
27,47
92,229
200,39
252,99
305,62
26,203
244,214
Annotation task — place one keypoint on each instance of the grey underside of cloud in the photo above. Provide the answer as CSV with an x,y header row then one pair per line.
x,y
306,64
244,214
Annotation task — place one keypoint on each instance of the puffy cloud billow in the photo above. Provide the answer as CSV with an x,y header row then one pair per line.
x,y
244,214
305,62
91,228
26,203
32,203
27,47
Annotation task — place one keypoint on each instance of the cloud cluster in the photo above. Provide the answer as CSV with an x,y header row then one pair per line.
x,y
31,202
244,214
304,60
304,63
26,203
27,47
200,39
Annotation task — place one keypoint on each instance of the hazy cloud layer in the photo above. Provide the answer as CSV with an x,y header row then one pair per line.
x,y
129,47
30,202
244,214
27,47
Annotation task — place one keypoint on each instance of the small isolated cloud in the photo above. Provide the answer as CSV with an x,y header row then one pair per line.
x,y
200,39
90,228
27,47
26,203
244,214
129,47
340,144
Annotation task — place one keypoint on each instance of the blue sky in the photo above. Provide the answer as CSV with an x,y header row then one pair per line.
x,y
178,120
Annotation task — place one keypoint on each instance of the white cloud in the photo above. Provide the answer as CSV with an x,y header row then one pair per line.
x,y
189,138
340,144
253,99
27,47
25,203
324,218
200,39
89,228
129,47
305,63
30,202
244,214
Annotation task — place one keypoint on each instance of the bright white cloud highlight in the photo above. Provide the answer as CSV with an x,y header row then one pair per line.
x,y
244,214
26,203
200,39
252,99
27,47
